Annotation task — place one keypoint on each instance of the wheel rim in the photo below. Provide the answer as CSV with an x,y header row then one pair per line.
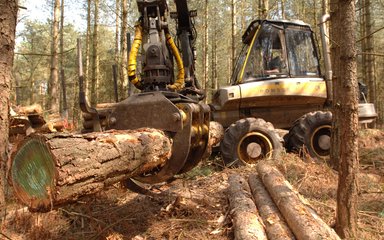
x,y
321,141
253,147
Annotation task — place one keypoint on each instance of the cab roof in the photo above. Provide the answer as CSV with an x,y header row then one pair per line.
x,y
248,34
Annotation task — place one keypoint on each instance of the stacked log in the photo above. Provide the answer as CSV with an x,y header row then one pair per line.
x,y
245,217
30,119
274,222
283,212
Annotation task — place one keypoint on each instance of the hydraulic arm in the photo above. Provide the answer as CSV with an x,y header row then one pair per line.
x,y
162,68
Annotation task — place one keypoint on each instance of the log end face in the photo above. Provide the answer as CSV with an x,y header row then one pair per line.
x,y
33,174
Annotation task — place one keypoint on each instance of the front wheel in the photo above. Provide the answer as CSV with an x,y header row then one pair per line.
x,y
248,141
311,134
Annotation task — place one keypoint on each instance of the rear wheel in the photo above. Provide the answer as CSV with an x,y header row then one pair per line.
x,y
248,141
311,134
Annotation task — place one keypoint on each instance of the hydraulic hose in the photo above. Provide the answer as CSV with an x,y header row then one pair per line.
x,y
132,61
179,83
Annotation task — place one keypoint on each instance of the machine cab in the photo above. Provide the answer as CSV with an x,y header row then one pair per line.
x,y
276,49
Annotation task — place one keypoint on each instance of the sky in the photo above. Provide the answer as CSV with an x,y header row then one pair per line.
x,y
41,11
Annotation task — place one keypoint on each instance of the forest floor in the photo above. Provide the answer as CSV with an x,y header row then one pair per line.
x,y
195,205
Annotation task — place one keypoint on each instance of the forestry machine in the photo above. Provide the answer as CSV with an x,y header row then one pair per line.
x,y
167,102
277,82
277,79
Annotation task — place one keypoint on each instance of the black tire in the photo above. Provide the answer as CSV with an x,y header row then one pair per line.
x,y
311,134
248,141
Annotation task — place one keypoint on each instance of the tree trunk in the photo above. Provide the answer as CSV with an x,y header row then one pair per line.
x,y
233,35
298,216
206,51
88,50
8,17
62,74
346,115
370,57
214,81
95,55
335,60
324,7
246,220
117,32
363,41
123,52
116,66
275,225
53,169
54,78
265,9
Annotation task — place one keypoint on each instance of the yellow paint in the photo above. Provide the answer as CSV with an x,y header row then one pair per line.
x,y
179,83
132,62
290,88
248,54
261,136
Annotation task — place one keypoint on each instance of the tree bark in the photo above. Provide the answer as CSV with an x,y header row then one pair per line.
x,y
53,169
88,50
8,20
274,222
123,52
265,9
298,216
233,36
345,107
95,55
214,80
64,109
54,78
370,57
324,7
246,220
216,135
117,32
116,66
205,50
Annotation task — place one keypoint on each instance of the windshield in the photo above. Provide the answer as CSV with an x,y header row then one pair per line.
x,y
267,56
278,50
302,56
239,64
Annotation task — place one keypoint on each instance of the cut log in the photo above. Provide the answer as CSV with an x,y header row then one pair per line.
x,y
216,135
53,169
246,221
295,212
34,109
36,120
18,125
275,225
